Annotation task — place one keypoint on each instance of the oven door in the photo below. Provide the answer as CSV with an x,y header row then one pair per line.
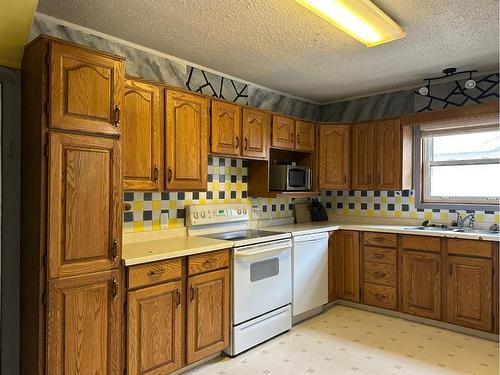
x,y
262,279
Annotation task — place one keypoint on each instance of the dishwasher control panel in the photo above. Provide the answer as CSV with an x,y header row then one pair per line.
x,y
216,213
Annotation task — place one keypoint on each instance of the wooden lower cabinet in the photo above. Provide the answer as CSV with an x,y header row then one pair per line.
x,y
207,314
469,292
422,284
84,324
348,265
154,329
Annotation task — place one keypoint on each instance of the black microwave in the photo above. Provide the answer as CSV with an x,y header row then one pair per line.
x,y
290,178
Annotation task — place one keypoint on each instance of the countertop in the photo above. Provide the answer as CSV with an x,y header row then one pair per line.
x,y
167,248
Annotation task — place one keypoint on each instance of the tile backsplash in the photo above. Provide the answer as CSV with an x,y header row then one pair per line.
x,y
227,183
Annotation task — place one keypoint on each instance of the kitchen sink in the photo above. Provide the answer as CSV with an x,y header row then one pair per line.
x,y
455,230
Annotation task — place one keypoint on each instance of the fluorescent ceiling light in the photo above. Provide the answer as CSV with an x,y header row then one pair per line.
x,y
361,19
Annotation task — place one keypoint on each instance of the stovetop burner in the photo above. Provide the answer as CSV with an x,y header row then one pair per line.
x,y
247,234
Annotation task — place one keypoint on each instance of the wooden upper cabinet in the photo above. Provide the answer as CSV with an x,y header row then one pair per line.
x,y
347,248
84,324
255,132
304,135
86,90
422,284
154,329
362,156
85,199
186,141
142,126
283,132
333,157
207,314
226,128
388,155
469,285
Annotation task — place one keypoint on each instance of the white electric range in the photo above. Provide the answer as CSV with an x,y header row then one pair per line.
x,y
261,272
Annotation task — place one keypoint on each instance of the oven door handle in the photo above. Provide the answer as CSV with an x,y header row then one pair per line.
x,y
268,251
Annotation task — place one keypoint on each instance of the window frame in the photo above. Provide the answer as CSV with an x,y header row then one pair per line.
x,y
422,166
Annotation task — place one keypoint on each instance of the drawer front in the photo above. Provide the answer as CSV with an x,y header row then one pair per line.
x,y
378,255
381,239
154,273
381,296
425,243
208,262
379,273
475,248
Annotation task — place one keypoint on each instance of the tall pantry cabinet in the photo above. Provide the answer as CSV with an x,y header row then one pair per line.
x,y
72,288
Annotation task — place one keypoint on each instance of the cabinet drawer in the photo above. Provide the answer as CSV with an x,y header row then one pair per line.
x,y
380,273
207,262
153,273
474,248
425,243
378,255
381,296
381,239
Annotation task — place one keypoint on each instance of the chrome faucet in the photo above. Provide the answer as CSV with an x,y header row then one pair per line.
x,y
462,220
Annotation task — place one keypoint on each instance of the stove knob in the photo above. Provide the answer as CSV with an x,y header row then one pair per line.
x,y
196,215
245,211
239,212
202,214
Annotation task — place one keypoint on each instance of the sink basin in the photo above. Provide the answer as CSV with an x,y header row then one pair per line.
x,y
455,230
429,228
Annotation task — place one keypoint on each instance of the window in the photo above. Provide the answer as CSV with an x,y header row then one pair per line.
x,y
460,162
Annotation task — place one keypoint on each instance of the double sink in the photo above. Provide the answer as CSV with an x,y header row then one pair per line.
x,y
454,230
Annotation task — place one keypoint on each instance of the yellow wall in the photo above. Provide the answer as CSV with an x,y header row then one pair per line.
x,y
16,17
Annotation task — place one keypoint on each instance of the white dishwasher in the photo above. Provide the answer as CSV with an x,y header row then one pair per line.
x,y
309,274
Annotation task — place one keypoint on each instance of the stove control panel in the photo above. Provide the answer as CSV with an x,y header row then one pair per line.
x,y
216,213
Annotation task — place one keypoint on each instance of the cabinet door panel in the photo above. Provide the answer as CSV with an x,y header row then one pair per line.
x,y
84,204
186,141
388,155
154,329
256,130
469,292
84,318
142,135
207,314
422,284
86,89
333,157
283,129
362,156
305,131
348,265
226,128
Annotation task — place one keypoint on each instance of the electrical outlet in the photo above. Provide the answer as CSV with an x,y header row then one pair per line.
x,y
164,220
256,212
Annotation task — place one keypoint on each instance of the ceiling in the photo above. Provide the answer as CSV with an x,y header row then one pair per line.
x,y
280,45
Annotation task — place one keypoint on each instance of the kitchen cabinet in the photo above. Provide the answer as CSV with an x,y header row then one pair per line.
x,y
84,199
226,128
305,135
142,130
84,324
283,132
86,89
255,131
362,156
186,140
388,155
207,314
154,329
421,283
333,155
348,265
332,264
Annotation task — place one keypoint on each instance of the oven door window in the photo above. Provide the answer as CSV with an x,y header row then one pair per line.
x,y
264,269
297,178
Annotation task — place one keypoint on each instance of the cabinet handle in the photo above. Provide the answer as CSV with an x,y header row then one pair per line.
x,y
450,268
298,137
156,273
345,179
117,116
114,289
379,296
191,297
237,142
246,143
293,138
378,256
379,274
178,298
169,174
156,172
114,253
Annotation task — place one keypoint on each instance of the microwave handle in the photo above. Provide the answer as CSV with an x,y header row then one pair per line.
x,y
309,179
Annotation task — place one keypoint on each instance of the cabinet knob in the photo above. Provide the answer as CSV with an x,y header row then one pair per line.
x,y
237,142
246,143
114,252
192,291
114,289
170,173
156,173
178,298
117,116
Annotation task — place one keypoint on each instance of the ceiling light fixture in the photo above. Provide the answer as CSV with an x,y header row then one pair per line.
x,y
447,73
361,19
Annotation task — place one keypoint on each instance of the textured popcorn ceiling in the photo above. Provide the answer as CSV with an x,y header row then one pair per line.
x,y
281,45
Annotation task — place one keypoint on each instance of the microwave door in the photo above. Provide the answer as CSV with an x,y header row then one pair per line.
x,y
297,179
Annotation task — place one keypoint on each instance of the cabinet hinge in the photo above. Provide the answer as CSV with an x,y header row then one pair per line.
x,y
44,260
47,107
46,151
44,298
